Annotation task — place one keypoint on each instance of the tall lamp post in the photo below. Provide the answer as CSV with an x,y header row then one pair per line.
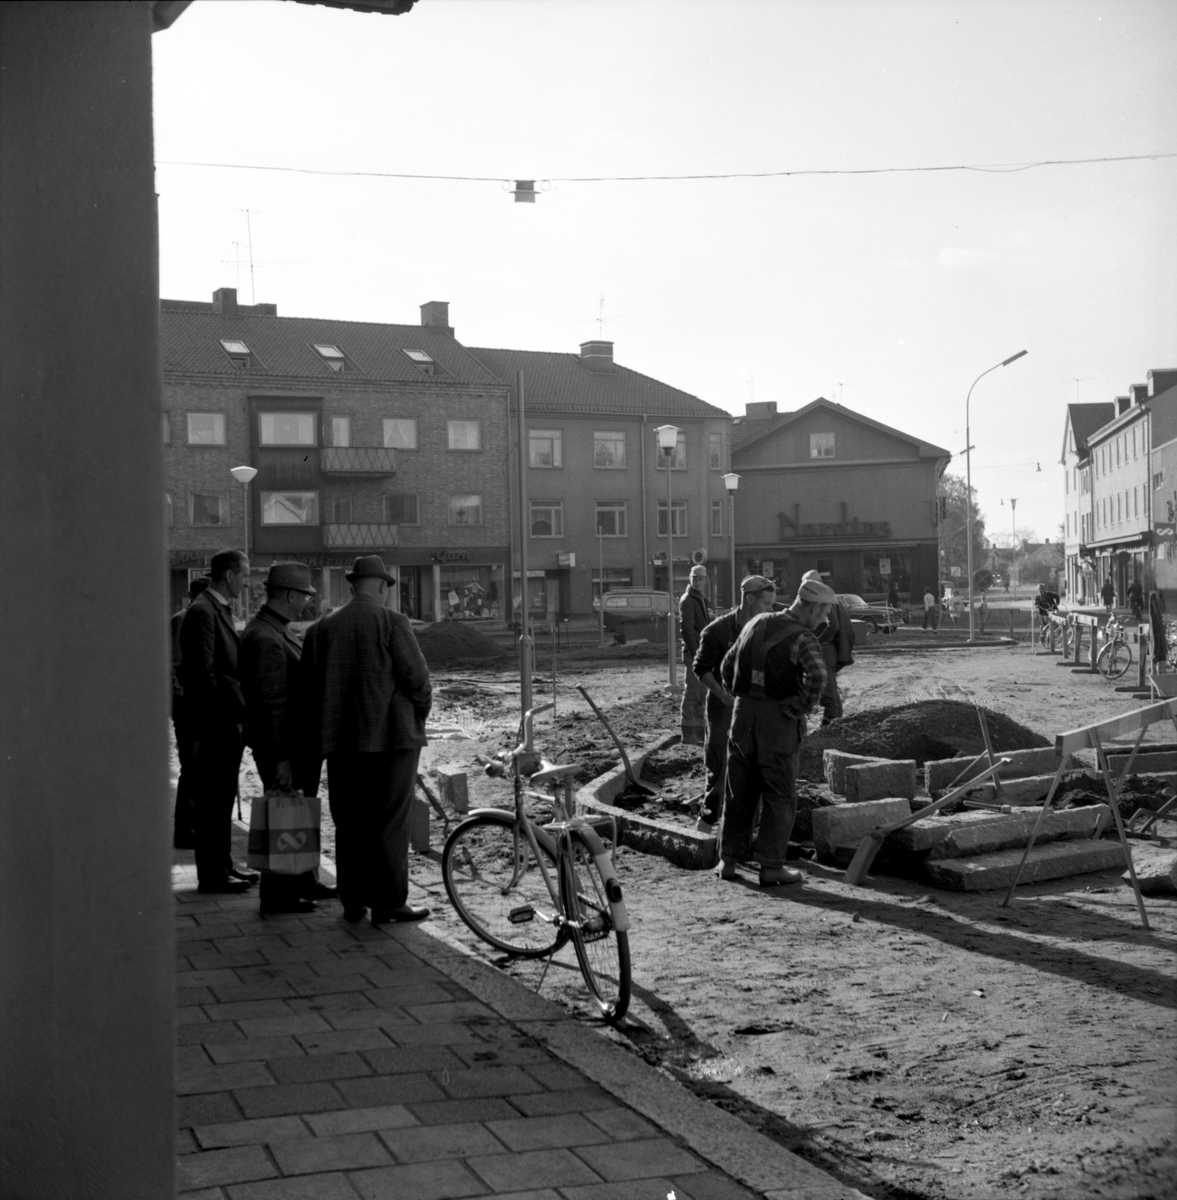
x,y
968,458
243,475
731,481
667,441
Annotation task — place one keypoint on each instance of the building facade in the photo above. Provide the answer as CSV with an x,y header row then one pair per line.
x,y
1162,404
827,489
1079,505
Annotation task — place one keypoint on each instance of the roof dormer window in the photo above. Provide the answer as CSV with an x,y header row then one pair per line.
x,y
239,353
332,356
420,359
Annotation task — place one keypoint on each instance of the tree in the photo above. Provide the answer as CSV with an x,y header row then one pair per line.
x,y
954,504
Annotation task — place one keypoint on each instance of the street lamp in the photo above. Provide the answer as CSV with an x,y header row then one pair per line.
x,y
667,441
731,481
243,475
968,458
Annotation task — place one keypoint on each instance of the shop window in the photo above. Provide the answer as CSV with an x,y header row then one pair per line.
x,y
208,508
821,445
717,518
547,518
612,518
400,433
465,510
678,460
545,448
290,508
401,508
465,435
715,451
609,450
206,429
286,429
341,431
469,593
678,518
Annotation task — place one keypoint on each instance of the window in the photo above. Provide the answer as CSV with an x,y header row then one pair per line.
x,y
208,508
465,435
609,450
679,518
400,433
167,427
400,508
717,518
290,508
341,431
333,357
239,353
1068,524
715,451
821,445
286,429
1136,501
465,510
1135,453
615,577
678,458
544,448
611,518
422,360
169,518
206,429
339,509
547,518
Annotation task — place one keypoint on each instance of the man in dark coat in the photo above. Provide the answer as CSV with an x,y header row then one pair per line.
x,y
214,705
183,837
694,616
836,638
757,595
367,694
268,665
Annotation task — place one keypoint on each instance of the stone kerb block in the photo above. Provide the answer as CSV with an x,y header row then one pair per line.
x,y
844,824
1032,790
1156,869
987,872
938,775
1145,764
1014,830
834,764
929,832
886,777
454,787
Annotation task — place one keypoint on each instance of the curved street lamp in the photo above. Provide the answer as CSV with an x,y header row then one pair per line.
x,y
968,458
667,441
244,476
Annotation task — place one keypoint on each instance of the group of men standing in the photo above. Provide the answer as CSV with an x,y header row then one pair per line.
x,y
752,675
355,692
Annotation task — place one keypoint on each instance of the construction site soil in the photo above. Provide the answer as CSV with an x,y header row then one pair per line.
x,y
918,1044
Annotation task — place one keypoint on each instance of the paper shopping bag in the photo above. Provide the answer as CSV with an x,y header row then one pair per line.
x,y
284,833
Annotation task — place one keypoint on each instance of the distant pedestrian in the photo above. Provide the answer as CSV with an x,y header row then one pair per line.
x,y
836,638
984,610
931,610
1108,594
757,594
694,616
893,594
1136,599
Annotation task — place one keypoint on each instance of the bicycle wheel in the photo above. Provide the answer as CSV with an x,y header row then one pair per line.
x,y
1114,659
601,950
494,881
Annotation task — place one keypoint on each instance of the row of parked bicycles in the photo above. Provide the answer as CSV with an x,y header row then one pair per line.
x,y
1059,632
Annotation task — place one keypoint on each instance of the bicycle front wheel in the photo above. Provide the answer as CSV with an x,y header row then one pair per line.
x,y
1114,659
601,950
494,881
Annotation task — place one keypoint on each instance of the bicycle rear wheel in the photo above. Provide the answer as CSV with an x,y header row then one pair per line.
x,y
1114,659
494,881
601,950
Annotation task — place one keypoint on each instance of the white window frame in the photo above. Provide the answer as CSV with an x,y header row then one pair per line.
x,y
222,499
331,355
305,421
473,500
822,445
341,431
287,501
555,519
394,426
717,518
459,430
678,460
715,451
217,432
554,439
679,518
619,510
613,439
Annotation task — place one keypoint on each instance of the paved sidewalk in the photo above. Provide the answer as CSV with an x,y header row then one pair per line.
x,y
318,1060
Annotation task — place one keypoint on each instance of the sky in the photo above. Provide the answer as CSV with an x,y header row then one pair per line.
x,y
888,291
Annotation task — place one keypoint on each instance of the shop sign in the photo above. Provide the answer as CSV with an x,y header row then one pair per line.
x,y
451,556
566,558
884,566
833,529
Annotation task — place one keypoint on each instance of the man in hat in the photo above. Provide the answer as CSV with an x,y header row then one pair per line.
x,y
836,638
694,616
757,594
215,708
267,664
777,674
367,694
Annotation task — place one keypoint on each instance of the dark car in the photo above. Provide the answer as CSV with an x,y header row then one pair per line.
x,y
877,616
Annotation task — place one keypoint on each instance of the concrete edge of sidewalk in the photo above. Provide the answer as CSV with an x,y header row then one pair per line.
x,y
714,1134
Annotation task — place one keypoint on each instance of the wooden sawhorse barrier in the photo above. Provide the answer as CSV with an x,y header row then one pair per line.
x,y
1091,737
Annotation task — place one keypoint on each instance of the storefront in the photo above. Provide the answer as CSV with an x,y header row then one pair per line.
x,y
869,572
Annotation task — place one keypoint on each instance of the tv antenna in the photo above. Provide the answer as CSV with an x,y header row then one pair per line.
x,y
1078,379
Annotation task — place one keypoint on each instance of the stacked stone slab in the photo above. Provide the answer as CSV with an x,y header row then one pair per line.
x,y
834,764
987,872
887,778
1009,832
940,774
837,831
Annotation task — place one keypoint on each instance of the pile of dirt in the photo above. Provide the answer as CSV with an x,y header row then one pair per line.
x,y
447,642
926,730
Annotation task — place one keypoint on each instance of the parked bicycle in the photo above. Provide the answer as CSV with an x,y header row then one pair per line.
x,y
1058,631
528,889
1115,657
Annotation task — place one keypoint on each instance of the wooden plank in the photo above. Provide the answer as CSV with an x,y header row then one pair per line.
x,y
1087,736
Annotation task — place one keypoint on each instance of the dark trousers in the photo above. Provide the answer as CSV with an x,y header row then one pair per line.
x,y
275,888
216,760
719,720
831,701
764,752
371,805
185,816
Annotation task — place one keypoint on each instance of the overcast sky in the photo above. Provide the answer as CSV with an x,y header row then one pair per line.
x,y
889,292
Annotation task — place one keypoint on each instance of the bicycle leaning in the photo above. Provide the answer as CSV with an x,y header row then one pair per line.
x,y
1116,655
528,889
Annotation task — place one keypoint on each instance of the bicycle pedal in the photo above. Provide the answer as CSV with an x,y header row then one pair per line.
x,y
521,915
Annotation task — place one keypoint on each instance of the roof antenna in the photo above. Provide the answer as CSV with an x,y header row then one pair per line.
x,y
601,317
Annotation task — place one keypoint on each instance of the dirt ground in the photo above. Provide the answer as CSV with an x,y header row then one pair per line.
x,y
915,1043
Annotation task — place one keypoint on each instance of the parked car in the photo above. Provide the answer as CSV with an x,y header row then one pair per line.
x,y
637,614
877,616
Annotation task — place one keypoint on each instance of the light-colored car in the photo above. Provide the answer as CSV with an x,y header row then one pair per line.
x,y
877,616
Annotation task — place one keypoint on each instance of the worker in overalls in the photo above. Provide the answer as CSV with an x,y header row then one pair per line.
x,y
777,674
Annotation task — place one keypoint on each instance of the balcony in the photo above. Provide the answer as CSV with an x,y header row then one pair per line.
x,y
359,537
357,460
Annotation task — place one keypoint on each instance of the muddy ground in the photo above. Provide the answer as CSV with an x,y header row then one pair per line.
x,y
915,1043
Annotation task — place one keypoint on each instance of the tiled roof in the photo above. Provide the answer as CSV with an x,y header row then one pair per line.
x,y
1086,419
282,346
562,381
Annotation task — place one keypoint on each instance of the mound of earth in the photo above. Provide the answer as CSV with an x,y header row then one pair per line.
x,y
926,730
447,642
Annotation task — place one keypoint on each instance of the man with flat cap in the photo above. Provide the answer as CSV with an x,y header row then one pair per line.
x,y
268,667
367,693
757,594
777,674
694,615
836,638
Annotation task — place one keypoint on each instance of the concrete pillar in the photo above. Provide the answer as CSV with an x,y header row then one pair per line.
x,y
86,955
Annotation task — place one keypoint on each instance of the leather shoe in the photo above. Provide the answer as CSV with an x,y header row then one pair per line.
x,y
223,887
288,906
779,876
727,869
320,891
353,916
405,913
246,877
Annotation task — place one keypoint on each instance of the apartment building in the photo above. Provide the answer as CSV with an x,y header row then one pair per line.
x,y
1082,421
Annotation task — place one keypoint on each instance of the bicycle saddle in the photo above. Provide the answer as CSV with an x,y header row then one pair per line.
x,y
550,770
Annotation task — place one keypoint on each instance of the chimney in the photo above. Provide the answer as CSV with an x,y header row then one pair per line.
x,y
225,302
597,356
761,410
436,316
1138,393
1161,381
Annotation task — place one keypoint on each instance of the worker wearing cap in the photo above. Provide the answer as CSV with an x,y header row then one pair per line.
x,y
836,638
694,616
757,593
777,674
